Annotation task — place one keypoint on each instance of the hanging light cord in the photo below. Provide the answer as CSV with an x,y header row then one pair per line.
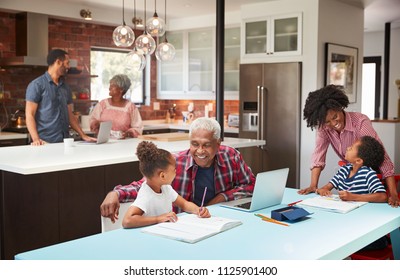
x,y
165,35
134,14
145,12
123,12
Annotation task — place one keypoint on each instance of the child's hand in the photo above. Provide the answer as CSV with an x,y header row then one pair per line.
x,y
203,212
323,192
167,217
345,195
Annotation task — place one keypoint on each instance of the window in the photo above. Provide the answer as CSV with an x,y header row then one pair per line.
x,y
109,62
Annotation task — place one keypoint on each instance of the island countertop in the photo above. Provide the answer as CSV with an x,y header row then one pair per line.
x,y
28,159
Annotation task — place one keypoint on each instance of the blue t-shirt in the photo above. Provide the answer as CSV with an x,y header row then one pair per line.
x,y
365,181
51,117
204,178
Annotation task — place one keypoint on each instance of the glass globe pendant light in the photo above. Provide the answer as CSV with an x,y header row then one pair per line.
x,y
123,35
155,26
145,43
165,51
135,60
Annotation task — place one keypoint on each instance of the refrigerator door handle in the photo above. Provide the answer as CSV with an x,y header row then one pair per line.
x,y
260,110
261,115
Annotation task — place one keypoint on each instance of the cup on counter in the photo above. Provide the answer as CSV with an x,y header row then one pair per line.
x,y
68,142
117,134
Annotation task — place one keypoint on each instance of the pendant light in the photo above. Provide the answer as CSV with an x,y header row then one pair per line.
x,y
135,60
123,35
165,51
155,26
145,42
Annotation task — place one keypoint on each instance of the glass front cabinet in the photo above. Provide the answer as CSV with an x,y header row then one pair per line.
x,y
191,75
272,36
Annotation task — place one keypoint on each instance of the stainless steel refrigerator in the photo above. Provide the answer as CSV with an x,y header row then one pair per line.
x,y
269,109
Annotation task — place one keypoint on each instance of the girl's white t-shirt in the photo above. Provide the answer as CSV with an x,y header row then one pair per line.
x,y
155,204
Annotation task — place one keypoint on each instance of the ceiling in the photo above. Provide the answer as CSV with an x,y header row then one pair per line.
x,y
377,12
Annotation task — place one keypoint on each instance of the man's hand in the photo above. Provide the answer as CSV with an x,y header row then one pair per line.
x,y
88,138
110,206
38,142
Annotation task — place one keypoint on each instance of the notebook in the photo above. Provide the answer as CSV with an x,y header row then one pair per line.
x,y
268,191
104,134
331,203
191,228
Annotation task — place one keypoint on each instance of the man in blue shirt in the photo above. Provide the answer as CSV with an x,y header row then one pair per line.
x,y
49,103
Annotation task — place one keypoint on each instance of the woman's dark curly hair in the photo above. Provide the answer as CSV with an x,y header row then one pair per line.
x,y
152,158
371,152
320,101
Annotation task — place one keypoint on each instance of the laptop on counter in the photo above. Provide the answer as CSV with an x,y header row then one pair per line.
x,y
104,134
268,191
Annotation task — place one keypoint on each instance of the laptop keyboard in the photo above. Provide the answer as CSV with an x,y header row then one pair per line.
x,y
244,205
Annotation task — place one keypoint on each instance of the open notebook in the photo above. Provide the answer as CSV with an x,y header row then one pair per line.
x,y
191,229
331,203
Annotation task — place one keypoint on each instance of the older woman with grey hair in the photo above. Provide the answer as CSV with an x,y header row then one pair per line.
x,y
125,117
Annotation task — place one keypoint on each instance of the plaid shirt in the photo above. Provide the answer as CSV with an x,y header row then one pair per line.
x,y
357,126
233,178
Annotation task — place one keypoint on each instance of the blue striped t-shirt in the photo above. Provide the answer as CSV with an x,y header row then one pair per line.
x,y
365,181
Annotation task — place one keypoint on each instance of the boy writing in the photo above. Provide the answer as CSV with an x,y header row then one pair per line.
x,y
357,181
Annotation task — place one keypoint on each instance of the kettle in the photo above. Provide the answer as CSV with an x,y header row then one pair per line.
x,y
18,119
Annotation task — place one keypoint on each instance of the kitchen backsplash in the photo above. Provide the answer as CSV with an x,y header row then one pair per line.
x,y
77,38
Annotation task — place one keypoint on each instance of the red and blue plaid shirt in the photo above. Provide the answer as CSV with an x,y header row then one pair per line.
x,y
232,178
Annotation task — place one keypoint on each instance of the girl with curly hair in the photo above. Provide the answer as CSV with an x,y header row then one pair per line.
x,y
156,196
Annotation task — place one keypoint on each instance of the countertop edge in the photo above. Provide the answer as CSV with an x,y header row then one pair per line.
x,y
56,158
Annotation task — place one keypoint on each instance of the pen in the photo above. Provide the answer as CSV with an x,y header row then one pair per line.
x,y
202,201
293,203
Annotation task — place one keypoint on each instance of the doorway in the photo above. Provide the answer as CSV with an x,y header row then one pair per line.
x,y
371,87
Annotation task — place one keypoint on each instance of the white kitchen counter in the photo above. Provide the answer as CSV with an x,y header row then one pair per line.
x,y
55,157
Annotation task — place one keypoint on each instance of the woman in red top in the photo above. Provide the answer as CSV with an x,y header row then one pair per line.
x,y
324,110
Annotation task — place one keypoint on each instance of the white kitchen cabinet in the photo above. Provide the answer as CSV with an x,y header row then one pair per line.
x,y
191,75
232,62
272,36
171,73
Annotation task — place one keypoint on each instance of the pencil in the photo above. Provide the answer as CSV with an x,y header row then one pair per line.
x,y
294,203
267,219
202,201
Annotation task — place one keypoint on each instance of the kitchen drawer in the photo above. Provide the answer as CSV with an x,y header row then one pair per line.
x,y
13,142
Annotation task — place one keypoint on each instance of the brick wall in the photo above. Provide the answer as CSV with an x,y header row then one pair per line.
x,y
77,38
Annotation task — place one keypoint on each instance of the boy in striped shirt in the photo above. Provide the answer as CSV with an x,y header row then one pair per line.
x,y
357,181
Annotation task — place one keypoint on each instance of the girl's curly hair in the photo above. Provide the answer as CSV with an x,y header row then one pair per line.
x,y
372,152
152,158
320,101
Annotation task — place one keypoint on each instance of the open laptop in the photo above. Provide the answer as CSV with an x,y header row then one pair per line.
x,y
104,134
268,191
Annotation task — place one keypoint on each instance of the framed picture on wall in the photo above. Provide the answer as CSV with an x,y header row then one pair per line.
x,y
341,68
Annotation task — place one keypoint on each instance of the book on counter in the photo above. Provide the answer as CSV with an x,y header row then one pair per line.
x,y
191,229
331,203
